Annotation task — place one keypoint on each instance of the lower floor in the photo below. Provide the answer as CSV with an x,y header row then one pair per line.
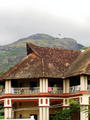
x,y
31,109
42,108
27,110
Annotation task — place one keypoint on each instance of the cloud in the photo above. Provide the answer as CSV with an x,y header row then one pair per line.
x,y
21,18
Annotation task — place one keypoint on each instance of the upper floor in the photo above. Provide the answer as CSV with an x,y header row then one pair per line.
x,y
45,85
43,70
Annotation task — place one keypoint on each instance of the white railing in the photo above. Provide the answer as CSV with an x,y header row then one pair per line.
x,y
74,89
25,90
2,91
55,90
88,88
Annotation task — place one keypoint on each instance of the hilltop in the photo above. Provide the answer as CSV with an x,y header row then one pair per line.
x,y
11,54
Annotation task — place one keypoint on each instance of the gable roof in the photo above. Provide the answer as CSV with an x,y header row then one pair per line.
x,y
42,62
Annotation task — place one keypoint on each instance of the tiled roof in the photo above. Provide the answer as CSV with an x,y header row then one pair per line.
x,y
43,62
81,65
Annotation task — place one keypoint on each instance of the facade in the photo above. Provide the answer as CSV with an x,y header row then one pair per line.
x,y
44,81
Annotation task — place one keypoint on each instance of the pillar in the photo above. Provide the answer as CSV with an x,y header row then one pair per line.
x,y
84,102
83,82
44,108
66,86
7,108
7,86
43,85
46,85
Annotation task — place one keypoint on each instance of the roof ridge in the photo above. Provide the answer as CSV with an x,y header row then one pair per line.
x,y
43,67
34,45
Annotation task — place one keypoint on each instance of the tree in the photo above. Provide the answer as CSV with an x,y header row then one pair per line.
x,y
67,113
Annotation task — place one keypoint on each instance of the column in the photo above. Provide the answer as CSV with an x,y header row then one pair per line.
x,y
46,85
83,82
7,86
44,108
43,85
5,113
7,108
41,113
66,86
84,102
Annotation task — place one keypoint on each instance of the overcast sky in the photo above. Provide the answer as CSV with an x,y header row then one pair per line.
x,y
21,18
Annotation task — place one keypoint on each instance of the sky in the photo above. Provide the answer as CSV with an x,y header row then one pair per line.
x,y
22,18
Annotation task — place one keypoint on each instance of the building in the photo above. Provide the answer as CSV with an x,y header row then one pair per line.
x,y
44,81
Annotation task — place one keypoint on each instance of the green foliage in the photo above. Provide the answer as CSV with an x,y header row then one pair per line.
x,y
1,111
74,105
2,72
84,48
67,113
1,117
64,114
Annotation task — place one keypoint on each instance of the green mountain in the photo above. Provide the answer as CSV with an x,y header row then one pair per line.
x,y
13,53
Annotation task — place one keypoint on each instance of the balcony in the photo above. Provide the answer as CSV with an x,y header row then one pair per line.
x,y
25,90
55,90
35,90
74,89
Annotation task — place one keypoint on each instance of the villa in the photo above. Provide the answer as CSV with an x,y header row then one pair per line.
x,y
44,81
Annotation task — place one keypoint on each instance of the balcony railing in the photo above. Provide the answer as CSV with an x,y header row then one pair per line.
x,y
2,91
74,89
35,90
25,90
88,88
55,90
